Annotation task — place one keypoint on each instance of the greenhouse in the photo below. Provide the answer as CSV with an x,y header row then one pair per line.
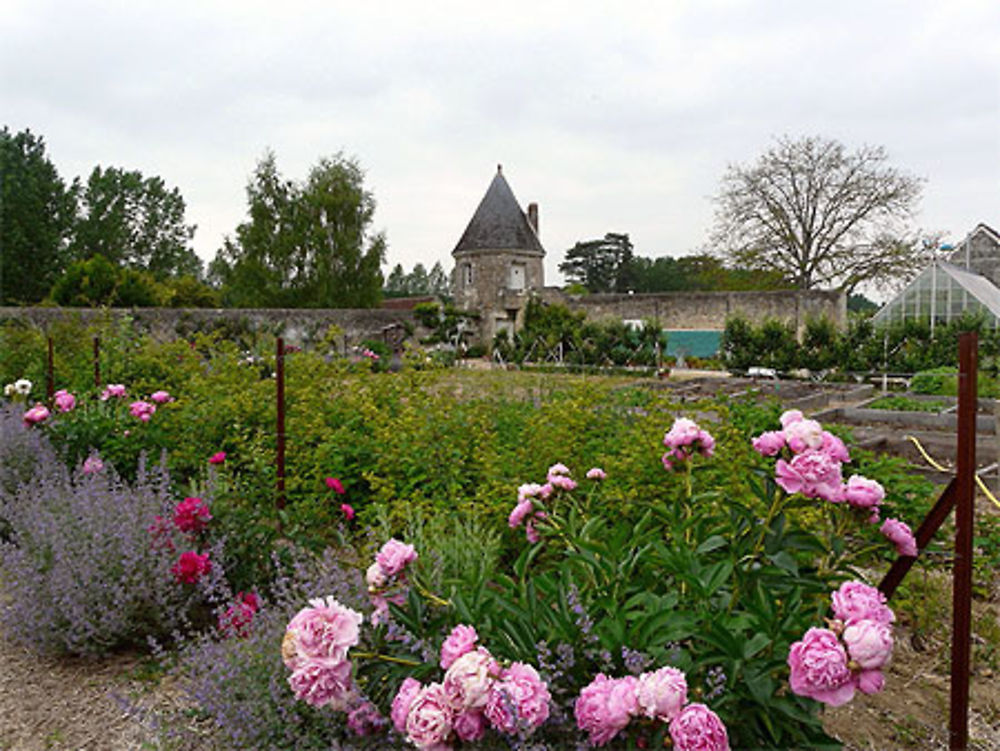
x,y
941,293
945,290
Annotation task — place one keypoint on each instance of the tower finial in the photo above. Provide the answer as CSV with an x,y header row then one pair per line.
x,y
499,169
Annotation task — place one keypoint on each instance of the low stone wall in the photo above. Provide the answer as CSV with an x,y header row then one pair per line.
x,y
297,325
709,310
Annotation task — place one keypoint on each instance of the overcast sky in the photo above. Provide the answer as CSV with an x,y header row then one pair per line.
x,y
613,117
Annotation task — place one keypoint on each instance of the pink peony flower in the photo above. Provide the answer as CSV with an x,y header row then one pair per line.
x,y
769,443
347,510
395,556
790,416
811,473
38,413
190,567
834,448
92,464
323,682
869,644
899,534
142,410
563,482
161,397
605,707
521,510
861,492
470,726
531,533
803,434
376,578
596,473
468,681
408,691
461,640
335,485
528,490
365,719
116,390
191,515
557,469
546,490
428,723
64,400
685,438
857,601
819,670
683,432
325,629
219,457
519,701
662,693
698,728
870,681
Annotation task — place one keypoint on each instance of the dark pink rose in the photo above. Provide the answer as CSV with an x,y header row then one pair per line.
x,y
190,567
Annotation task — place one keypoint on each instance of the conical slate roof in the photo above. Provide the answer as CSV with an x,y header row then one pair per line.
x,y
499,223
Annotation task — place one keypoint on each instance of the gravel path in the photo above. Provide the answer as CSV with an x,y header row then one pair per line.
x,y
67,703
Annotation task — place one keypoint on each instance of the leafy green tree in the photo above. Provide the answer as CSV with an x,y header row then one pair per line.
x,y
819,214
36,217
437,281
304,244
395,284
135,221
97,282
600,265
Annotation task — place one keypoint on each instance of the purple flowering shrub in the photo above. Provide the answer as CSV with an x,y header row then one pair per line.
x,y
22,450
82,572
237,680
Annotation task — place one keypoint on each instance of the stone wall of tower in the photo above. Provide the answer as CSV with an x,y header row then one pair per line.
x,y
481,278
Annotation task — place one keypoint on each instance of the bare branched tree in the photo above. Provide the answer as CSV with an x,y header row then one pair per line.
x,y
821,215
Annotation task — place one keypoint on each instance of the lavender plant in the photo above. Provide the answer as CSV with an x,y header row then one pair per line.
x,y
82,572
239,683
22,450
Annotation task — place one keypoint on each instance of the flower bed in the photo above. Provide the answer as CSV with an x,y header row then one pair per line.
x,y
619,597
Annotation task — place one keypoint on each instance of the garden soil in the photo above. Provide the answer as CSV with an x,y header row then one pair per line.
x,y
63,703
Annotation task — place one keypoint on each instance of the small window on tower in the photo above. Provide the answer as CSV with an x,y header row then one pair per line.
x,y
468,273
517,276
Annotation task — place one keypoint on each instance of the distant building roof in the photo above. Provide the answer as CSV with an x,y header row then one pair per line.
x,y
499,223
405,303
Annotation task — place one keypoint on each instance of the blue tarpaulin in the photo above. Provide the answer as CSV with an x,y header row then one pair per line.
x,y
688,343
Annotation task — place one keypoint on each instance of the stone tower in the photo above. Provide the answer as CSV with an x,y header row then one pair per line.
x,y
498,260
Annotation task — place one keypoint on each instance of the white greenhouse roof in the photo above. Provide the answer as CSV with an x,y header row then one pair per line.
x,y
916,300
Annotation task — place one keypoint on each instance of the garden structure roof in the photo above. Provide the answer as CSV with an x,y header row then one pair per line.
x,y
942,292
499,223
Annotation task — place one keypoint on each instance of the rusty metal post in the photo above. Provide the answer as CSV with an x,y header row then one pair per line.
x,y
964,518
50,376
280,378
97,362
